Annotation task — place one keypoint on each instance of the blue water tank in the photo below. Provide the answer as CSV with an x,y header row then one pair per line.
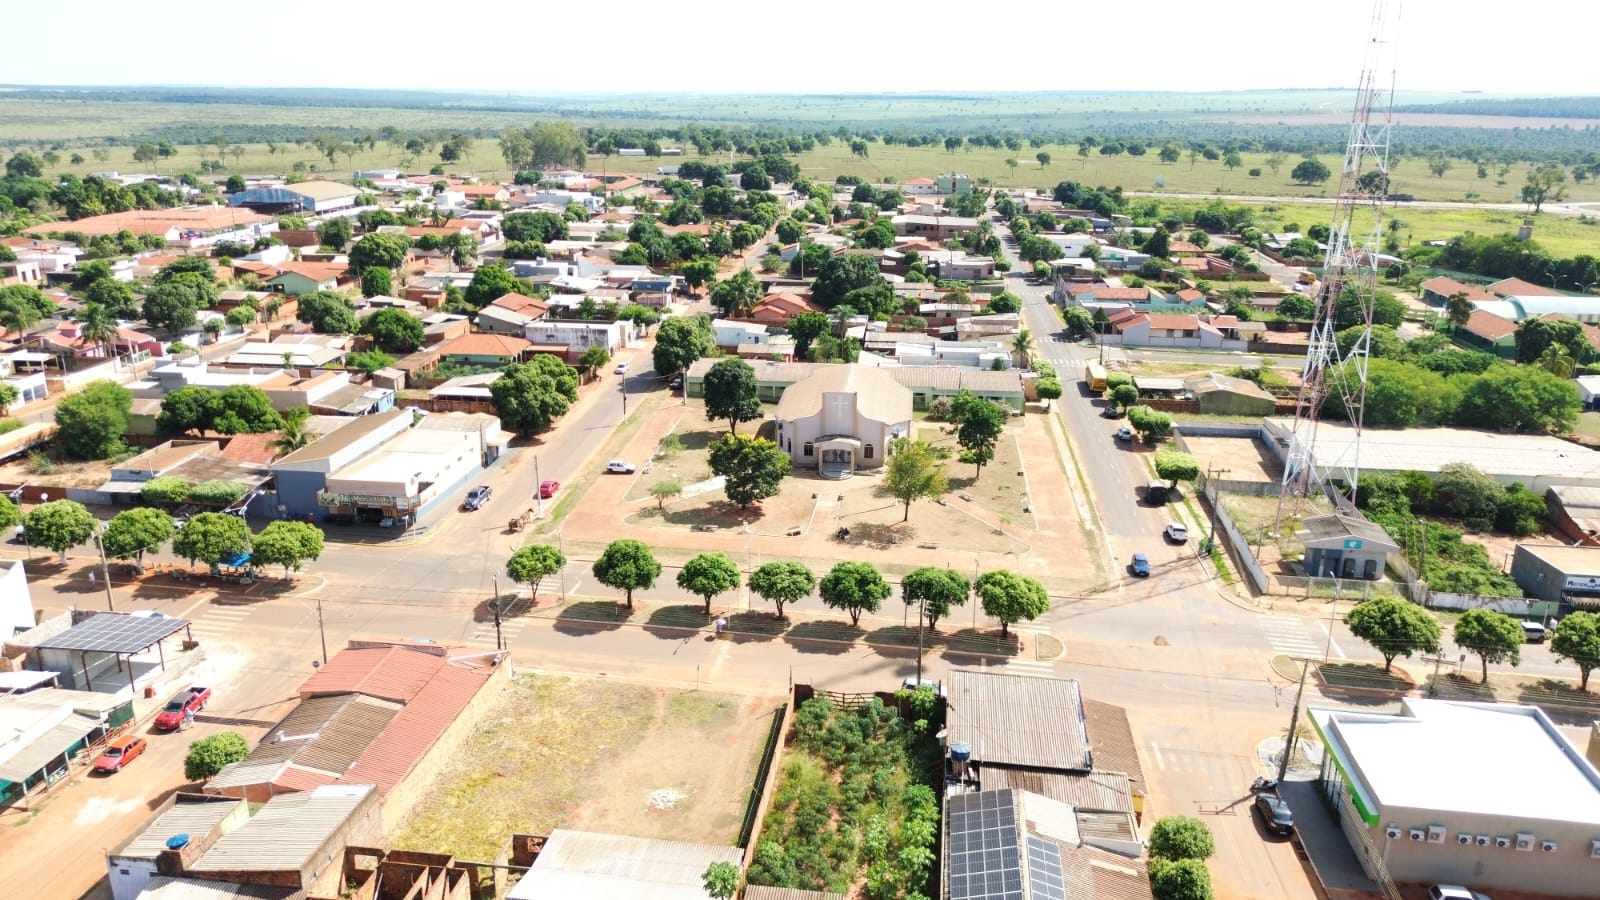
x,y
177,842
960,751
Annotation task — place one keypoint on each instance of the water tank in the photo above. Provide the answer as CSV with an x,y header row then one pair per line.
x,y
177,842
960,751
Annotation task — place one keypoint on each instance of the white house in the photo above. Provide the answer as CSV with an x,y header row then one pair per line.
x,y
579,336
843,418
16,604
728,333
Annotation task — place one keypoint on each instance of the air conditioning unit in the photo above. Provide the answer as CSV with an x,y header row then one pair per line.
x,y
1594,849
1548,846
1483,840
1502,841
1463,838
1436,834
1391,830
1524,841
1418,834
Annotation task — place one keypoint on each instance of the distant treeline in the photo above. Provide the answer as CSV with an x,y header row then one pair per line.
x,y
1529,107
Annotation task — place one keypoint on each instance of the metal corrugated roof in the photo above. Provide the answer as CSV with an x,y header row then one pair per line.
x,y
163,888
762,892
27,762
391,672
286,831
1019,720
323,734
1094,790
412,731
194,817
581,865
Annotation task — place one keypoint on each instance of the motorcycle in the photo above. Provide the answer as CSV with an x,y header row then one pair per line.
x,y
1263,784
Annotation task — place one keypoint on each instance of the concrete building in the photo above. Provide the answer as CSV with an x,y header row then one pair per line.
x,y
41,730
582,865
189,226
295,841
201,818
1410,790
16,604
1340,546
937,228
1559,574
925,382
843,418
382,466
579,336
305,197
1226,395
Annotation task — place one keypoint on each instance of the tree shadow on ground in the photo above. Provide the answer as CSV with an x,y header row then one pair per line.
x,y
1561,701
716,514
1362,678
831,637
509,606
988,642
670,622
754,625
590,616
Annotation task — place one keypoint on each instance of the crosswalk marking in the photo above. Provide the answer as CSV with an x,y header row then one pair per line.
x,y
509,629
1290,636
219,622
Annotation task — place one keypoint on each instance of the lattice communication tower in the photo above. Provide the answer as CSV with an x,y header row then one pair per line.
x,y
1349,282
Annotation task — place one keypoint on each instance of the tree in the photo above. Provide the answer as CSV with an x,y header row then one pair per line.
x,y
1458,309
1004,302
721,880
979,423
1151,424
1011,597
174,304
1310,171
211,538
490,283
98,326
327,313
663,491
1577,640
1180,879
529,396
287,544
842,274
1157,245
9,514
781,583
534,563
1517,397
1394,627
679,342
855,587
914,473
381,249
1494,636
708,575
1124,395
293,435
1048,388
243,409
737,295
335,232
752,467
542,227
1557,360
593,359
627,565
208,756
1043,158
1175,465
115,297
702,270
376,282
731,393
1535,335
59,525
937,589
93,421
1181,837
1547,183
394,330
368,361
805,328
187,410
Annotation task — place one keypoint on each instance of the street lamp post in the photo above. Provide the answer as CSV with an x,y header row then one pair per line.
x,y
623,387
1210,473
105,568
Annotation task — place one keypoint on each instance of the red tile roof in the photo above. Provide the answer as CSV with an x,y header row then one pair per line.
x,y
1445,287
520,303
1126,293
1489,326
389,673
416,728
314,271
482,344
1191,295
1176,321
1516,287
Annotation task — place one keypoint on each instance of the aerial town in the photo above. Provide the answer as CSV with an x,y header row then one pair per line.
x,y
423,514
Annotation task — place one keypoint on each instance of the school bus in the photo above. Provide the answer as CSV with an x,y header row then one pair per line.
x,y
1095,374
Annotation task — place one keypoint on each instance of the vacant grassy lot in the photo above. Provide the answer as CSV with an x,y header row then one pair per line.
x,y
595,755
1560,235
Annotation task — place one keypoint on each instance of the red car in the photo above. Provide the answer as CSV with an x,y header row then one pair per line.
x,y
547,489
181,707
119,753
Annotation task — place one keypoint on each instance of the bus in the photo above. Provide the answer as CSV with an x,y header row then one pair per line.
x,y
1095,374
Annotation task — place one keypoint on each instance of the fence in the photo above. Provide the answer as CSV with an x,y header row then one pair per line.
x,y
1514,606
1241,547
758,788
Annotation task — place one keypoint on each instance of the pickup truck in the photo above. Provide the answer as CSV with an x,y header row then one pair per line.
x,y
181,707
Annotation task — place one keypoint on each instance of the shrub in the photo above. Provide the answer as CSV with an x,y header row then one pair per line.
x,y
1181,837
208,755
217,493
165,489
939,409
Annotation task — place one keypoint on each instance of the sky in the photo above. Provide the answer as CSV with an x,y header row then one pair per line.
x,y
812,46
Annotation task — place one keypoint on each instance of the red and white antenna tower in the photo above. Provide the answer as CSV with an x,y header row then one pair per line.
x,y
1349,281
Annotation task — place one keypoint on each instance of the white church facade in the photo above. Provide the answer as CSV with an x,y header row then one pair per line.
x,y
842,419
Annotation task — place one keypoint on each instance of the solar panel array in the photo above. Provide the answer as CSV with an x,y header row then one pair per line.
x,y
115,633
1045,881
982,858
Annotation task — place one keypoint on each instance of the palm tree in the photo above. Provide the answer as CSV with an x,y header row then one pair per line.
x,y
1557,360
17,315
1023,347
98,327
293,436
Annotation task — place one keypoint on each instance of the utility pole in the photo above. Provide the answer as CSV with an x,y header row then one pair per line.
x,y
624,389
922,613
1215,495
321,632
1294,722
538,495
105,567
494,607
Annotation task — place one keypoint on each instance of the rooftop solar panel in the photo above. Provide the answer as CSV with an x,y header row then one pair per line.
x,y
1045,881
982,858
115,633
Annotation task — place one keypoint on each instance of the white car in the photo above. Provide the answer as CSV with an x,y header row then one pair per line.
x,y
621,369
148,614
1177,533
1454,892
619,467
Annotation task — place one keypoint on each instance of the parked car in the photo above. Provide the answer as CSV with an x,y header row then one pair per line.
x,y
477,497
1124,433
1156,492
547,489
1275,813
910,684
119,753
1533,632
1113,412
148,614
1454,892
1177,533
619,467
1140,565
182,707
621,369
676,382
